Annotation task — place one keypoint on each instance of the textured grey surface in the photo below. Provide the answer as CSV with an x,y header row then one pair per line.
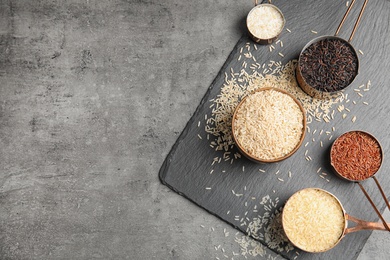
x,y
93,95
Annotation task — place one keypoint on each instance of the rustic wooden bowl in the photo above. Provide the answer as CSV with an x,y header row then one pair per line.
x,y
261,160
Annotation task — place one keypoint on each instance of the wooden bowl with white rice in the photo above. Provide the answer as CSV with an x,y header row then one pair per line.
x,y
269,125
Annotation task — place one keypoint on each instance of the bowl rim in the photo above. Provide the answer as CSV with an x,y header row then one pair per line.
x,y
261,160
342,209
312,91
270,39
338,138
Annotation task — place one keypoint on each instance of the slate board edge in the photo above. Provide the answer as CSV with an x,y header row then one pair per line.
x,y
164,168
162,172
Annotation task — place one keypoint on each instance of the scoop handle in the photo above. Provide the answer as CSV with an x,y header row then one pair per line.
x,y
357,21
363,225
387,226
257,2
382,192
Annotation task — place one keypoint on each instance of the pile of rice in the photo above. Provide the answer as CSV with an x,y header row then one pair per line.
x,y
313,220
265,22
268,124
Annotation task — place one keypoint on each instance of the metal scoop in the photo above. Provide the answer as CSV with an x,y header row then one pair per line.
x,y
359,224
341,175
312,91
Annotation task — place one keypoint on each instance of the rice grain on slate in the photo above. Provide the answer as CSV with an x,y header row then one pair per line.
x,y
238,86
268,124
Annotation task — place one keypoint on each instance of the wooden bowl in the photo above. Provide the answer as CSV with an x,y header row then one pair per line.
x,y
263,160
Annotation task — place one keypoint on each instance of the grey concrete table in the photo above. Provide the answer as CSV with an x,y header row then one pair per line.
x,y
93,95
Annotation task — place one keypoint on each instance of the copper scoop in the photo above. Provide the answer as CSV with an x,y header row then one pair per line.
x,y
299,211
347,151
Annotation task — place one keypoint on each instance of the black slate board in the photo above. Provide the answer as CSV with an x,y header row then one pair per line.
x,y
239,193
